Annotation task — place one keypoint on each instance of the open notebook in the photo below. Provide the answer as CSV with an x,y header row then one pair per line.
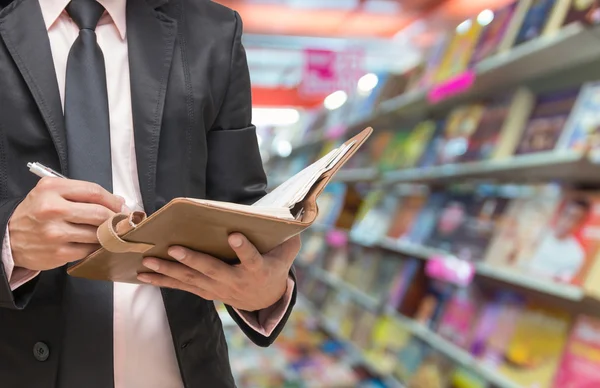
x,y
204,225
282,201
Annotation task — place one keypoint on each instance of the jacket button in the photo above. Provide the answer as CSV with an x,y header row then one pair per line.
x,y
41,352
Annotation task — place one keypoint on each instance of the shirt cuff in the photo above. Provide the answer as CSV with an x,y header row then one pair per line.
x,y
265,321
16,276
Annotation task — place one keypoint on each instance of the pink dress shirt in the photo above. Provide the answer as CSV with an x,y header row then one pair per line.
x,y
144,355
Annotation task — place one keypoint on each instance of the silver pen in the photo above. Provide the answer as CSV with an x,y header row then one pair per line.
x,y
43,171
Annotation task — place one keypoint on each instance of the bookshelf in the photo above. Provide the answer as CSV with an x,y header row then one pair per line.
x,y
542,57
559,290
433,339
564,166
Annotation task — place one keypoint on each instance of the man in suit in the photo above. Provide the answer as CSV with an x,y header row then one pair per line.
x,y
136,102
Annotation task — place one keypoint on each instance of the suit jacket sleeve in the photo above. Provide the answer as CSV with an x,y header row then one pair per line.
x,y
234,170
18,298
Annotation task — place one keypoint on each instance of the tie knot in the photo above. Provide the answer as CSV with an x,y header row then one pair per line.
x,y
85,13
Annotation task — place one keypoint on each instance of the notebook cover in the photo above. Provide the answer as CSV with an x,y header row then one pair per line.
x,y
197,226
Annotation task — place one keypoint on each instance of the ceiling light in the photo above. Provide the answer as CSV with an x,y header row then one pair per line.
x,y
335,100
463,27
367,82
485,17
274,116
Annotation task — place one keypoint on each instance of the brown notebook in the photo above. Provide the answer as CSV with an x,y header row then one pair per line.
x,y
204,225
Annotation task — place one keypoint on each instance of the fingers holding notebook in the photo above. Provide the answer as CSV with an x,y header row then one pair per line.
x,y
257,283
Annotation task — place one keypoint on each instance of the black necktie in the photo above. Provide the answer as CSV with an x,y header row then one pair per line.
x,y
86,356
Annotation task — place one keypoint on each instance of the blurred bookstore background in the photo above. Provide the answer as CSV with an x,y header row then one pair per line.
x,y
460,246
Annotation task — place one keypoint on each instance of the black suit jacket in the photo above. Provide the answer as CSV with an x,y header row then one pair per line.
x,y
193,136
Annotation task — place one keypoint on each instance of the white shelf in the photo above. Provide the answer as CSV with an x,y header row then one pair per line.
x,y
356,175
566,166
525,280
561,290
454,352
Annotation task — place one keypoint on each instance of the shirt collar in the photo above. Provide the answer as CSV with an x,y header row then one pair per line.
x,y
52,9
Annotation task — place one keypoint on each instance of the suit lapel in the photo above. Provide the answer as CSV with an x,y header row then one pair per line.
x,y
151,39
23,31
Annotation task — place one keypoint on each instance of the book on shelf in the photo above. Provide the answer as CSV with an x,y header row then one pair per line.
x,y
522,228
547,121
459,52
534,352
514,26
579,364
394,152
405,215
450,221
374,218
567,248
494,327
433,303
410,357
462,377
416,142
501,127
427,218
482,219
387,338
492,35
536,21
457,321
430,154
330,203
433,62
460,126
582,129
434,371
584,11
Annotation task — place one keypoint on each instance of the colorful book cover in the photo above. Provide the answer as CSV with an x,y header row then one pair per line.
x,y
456,324
465,378
394,152
402,281
493,33
535,20
410,358
425,223
483,142
585,11
388,267
433,372
521,228
406,213
483,218
429,157
330,203
567,248
534,352
460,126
494,328
451,221
416,142
460,50
434,61
388,337
547,121
579,365
374,218
582,130
433,304
361,334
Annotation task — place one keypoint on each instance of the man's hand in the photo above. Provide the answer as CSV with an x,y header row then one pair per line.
x,y
257,283
57,222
